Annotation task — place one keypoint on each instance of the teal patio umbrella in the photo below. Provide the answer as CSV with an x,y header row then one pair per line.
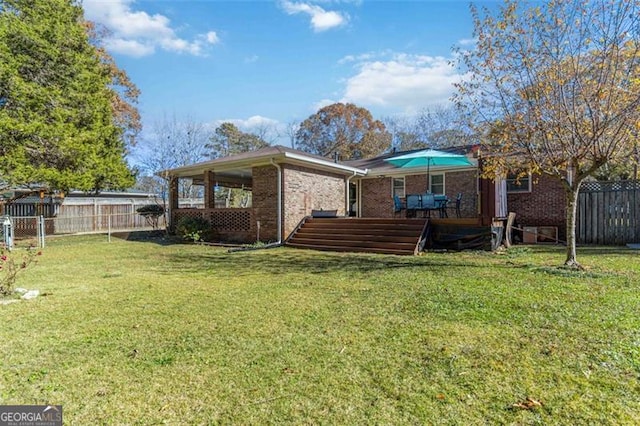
x,y
429,157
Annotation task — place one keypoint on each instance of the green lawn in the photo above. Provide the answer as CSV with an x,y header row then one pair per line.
x,y
141,332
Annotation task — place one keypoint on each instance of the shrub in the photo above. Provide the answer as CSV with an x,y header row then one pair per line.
x,y
151,213
11,265
193,228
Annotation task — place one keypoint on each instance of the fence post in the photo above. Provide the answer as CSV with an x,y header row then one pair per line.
x,y
41,231
7,231
109,226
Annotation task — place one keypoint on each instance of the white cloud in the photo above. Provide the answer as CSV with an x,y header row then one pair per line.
x,y
407,82
253,123
137,33
128,47
322,103
352,58
467,42
321,20
212,37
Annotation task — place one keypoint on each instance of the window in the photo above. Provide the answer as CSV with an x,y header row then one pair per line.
x,y
518,183
398,187
436,184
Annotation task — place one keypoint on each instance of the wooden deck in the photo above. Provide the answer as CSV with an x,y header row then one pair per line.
x,y
387,236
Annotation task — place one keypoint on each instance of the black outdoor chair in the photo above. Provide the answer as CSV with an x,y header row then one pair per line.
x,y
457,205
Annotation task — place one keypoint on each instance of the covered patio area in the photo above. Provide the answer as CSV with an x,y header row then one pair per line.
x,y
261,195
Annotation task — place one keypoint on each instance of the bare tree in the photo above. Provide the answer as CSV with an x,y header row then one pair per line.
x,y
557,87
435,127
443,127
266,131
172,143
290,130
404,133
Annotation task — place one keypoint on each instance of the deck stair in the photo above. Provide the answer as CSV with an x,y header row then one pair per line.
x,y
389,236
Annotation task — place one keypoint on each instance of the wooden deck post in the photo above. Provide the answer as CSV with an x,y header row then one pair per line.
x,y
209,183
173,201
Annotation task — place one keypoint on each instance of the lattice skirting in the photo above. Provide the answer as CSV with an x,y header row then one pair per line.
x,y
230,220
232,224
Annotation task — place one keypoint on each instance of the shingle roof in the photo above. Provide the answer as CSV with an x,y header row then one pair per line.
x,y
258,157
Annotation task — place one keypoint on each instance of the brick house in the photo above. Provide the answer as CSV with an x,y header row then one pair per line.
x,y
288,185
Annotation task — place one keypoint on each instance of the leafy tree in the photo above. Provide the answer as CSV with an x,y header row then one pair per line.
x,y
346,129
124,93
151,213
58,126
228,140
558,87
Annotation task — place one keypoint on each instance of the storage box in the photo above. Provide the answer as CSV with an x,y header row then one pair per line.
x,y
530,234
547,234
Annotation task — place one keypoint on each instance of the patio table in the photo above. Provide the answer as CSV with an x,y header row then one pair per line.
x,y
421,203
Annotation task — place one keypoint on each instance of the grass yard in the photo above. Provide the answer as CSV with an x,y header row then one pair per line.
x,y
140,332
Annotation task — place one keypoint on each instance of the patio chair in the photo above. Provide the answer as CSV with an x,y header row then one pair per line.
x,y
429,203
457,205
413,204
398,206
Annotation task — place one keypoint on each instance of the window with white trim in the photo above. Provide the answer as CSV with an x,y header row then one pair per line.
x,y
398,187
436,184
517,182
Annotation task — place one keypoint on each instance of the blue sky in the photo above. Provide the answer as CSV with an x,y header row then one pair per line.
x,y
274,62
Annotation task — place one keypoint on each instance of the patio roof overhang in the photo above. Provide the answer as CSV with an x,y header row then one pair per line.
x,y
236,170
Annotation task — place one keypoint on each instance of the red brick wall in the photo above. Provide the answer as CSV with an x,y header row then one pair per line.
x,y
415,184
465,182
376,197
265,201
306,189
543,206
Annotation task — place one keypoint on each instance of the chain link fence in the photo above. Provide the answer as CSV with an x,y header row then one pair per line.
x,y
25,231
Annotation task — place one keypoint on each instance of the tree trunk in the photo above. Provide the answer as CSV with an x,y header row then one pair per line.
x,y
572,209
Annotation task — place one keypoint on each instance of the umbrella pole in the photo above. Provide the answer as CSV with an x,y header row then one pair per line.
x,y
428,176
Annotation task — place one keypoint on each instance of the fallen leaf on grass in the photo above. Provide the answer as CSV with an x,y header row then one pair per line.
x,y
528,404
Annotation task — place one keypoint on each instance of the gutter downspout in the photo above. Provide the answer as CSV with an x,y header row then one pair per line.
x,y
359,189
346,194
277,166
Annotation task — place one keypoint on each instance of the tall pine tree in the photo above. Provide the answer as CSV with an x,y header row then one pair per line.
x,y
58,124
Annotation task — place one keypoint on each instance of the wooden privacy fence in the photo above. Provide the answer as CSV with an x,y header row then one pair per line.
x,y
96,218
609,213
78,218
